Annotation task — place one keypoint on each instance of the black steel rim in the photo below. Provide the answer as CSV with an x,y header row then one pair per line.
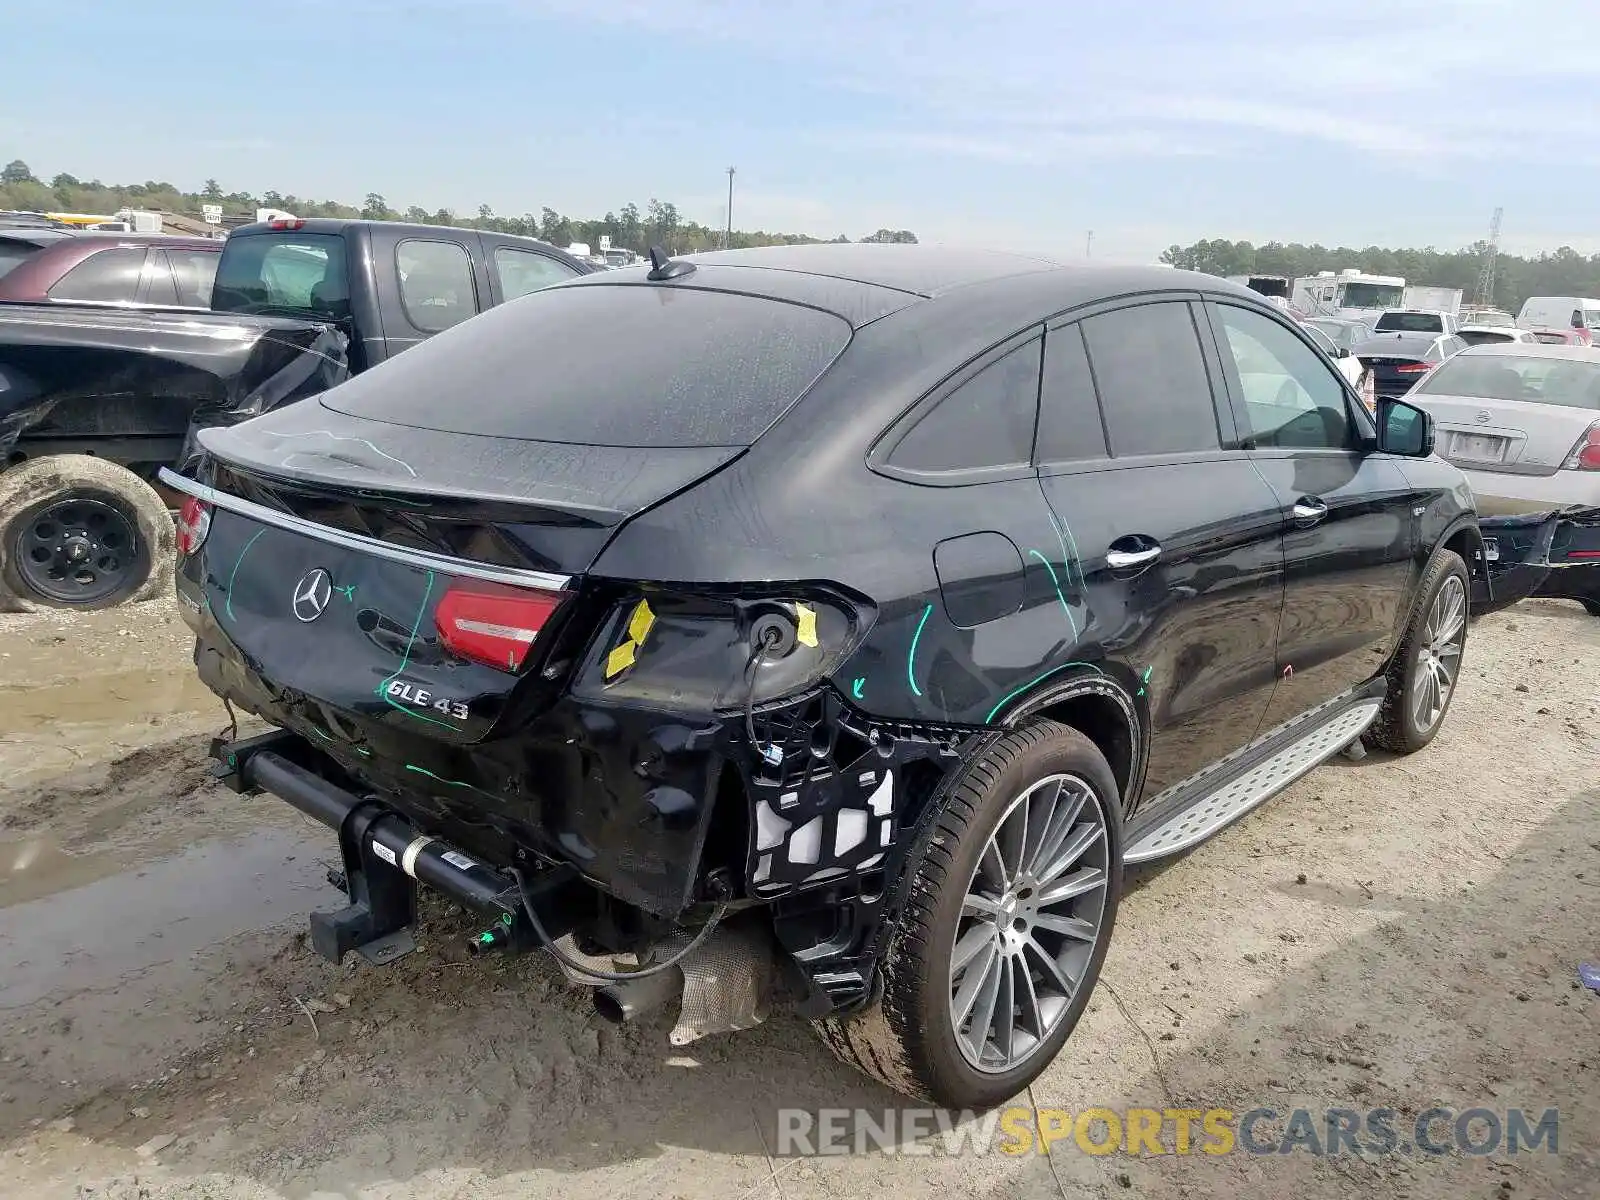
x,y
78,551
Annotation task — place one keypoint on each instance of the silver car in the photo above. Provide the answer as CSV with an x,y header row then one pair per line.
x,y
1522,421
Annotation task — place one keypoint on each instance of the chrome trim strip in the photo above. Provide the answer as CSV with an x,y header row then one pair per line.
x,y
425,559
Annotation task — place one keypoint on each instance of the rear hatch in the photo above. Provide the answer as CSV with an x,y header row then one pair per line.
x,y
407,547
1397,360
1516,414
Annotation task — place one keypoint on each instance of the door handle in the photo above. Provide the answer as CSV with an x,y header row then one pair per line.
x,y
1308,510
1128,560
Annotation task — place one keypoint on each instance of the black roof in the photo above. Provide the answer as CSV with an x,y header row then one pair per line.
x,y
996,292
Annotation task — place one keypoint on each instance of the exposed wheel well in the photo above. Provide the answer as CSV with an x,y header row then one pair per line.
x,y
1102,720
1468,543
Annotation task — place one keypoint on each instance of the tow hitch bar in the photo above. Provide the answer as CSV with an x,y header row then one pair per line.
x,y
384,858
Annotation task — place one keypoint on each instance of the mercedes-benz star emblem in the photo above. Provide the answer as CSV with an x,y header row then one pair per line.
x,y
311,594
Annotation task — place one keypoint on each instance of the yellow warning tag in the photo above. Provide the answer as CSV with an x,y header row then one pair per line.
x,y
805,624
642,621
620,659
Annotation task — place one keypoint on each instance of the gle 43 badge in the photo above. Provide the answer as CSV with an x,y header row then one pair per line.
x,y
419,697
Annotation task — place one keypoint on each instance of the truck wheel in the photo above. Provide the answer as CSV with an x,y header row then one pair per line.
x,y
1006,921
1422,677
80,532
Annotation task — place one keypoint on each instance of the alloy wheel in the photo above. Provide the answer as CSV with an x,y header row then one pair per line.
x,y
1439,655
1030,921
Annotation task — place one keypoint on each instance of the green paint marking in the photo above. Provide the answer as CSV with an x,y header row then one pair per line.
x,y
1069,549
1010,696
1145,679
1065,607
855,688
911,656
320,734
363,753
447,782
382,689
348,592
234,574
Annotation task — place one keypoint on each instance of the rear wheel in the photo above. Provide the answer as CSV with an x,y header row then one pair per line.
x,y
80,532
1008,917
1422,678
1592,607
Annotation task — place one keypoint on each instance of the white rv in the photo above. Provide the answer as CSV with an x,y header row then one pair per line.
x,y
1348,293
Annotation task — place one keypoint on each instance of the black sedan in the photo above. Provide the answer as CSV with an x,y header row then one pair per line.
x,y
837,641
1394,362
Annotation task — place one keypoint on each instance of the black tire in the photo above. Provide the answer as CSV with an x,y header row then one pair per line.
x,y
906,1039
137,559
1397,729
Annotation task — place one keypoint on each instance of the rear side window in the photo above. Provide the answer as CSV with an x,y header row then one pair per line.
x,y
522,271
1069,415
108,277
13,254
266,272
1152,380
986,422
607,365
436,287
194,272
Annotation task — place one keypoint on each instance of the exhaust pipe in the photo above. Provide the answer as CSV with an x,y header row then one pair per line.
x,y
620,1002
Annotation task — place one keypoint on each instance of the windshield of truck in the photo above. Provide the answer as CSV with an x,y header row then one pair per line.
x,y
272,272
1410,322
1568,382
1370,295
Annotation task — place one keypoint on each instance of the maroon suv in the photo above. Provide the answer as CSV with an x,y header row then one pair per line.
x,y
43,266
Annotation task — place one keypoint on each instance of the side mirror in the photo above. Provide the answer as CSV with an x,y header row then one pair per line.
x,y
1404,429
1341,352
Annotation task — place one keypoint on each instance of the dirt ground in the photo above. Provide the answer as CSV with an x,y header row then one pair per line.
x,y
1388,933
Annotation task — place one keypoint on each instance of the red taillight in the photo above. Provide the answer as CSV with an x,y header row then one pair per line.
x,y
194,522
286,223
1585,455
1413,369
492,623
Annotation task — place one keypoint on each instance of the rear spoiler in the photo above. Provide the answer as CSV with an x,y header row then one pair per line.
x,y
1551,555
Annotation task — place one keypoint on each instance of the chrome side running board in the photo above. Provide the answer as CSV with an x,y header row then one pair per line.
x,y
424,559
1214,811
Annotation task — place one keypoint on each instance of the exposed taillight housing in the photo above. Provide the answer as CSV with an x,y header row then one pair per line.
x,y
286,223
1413,368
194,522
493,623
1585,455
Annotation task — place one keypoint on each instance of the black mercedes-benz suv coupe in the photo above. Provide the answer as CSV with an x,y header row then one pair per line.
x,y
821,627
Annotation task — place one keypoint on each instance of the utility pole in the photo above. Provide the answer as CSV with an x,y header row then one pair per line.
x,y
1088,244
1486,278
727,236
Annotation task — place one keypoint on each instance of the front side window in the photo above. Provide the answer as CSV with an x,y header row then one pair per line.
x,y
986,422
108,277
1152,380
436,286
522,271
1291,397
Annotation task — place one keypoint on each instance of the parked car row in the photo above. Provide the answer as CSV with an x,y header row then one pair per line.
x,y
115,349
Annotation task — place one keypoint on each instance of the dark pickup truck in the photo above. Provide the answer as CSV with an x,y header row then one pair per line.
x,y
95,399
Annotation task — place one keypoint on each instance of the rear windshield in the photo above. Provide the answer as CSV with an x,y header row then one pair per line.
x,y
268,272
602,365
1481,337
1570,383
1404,322
1344,334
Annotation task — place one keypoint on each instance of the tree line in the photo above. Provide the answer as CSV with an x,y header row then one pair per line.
x,y
1562,272
659,223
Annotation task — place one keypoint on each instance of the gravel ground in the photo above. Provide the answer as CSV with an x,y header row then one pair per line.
x,y
1387,933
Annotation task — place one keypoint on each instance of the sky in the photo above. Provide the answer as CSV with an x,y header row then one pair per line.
x,y
978,122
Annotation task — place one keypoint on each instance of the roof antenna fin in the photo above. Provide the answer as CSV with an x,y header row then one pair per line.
x,y
662,267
